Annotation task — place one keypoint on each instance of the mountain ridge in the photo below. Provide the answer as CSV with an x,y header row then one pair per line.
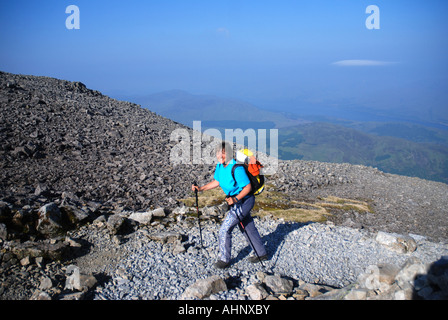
x,y
400,148
86,180
185,107
60,138
333,143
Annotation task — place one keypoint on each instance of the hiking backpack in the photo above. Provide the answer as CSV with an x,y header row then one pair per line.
x,y
246,159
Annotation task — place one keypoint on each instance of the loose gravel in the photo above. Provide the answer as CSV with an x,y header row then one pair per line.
x,y
314,253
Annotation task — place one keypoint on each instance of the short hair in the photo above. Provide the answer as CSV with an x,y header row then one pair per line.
x,y
227,148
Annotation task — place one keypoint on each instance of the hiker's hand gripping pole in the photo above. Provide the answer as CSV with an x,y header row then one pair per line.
x,y
197,209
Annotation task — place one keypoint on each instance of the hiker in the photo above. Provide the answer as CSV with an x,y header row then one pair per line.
x,y
240,199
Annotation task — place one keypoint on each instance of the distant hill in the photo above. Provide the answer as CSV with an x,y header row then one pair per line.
x,y
416,131
333,143
65,143
409,131
400,148
213,111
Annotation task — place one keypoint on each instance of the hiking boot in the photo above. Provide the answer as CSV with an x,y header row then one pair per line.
x,y
221,264
254,258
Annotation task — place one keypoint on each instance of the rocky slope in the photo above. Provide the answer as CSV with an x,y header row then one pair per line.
x,y
76,165
59,136
400,204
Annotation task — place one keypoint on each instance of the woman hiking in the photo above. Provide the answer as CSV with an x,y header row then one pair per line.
x,y
240,199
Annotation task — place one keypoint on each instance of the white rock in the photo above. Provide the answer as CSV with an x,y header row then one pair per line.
x,y
256,292
45,283
278,284
73,281
141,217
396,242
356,294
159,212
204,287
406,277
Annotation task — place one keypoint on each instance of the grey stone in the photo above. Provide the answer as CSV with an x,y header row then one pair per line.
x,y
77,281
204,288
406,277
387,273
40,296
115,223
396,242
75,215
257,292
45,283
159,212
278,284
179,248
44,249
314,290
73,281
49,222
141,217
3,231
356,294
166,237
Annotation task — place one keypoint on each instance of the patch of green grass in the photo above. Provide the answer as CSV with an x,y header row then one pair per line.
x,y
208,198
278,205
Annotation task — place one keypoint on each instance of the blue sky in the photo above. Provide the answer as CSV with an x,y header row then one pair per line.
x,y
282,54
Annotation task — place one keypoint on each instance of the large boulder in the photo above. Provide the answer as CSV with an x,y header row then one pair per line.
x,y
76,215
204,288
116,223
49,220
278,284
141,217
396,242
45,249
257,291
166,237
78,281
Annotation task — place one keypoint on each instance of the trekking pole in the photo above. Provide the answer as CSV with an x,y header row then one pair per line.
x,y
247,236
197,209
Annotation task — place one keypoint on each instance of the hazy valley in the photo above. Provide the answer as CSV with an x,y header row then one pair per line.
x,y
406,148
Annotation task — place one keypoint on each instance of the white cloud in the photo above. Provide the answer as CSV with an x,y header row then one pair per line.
x,y
361,63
